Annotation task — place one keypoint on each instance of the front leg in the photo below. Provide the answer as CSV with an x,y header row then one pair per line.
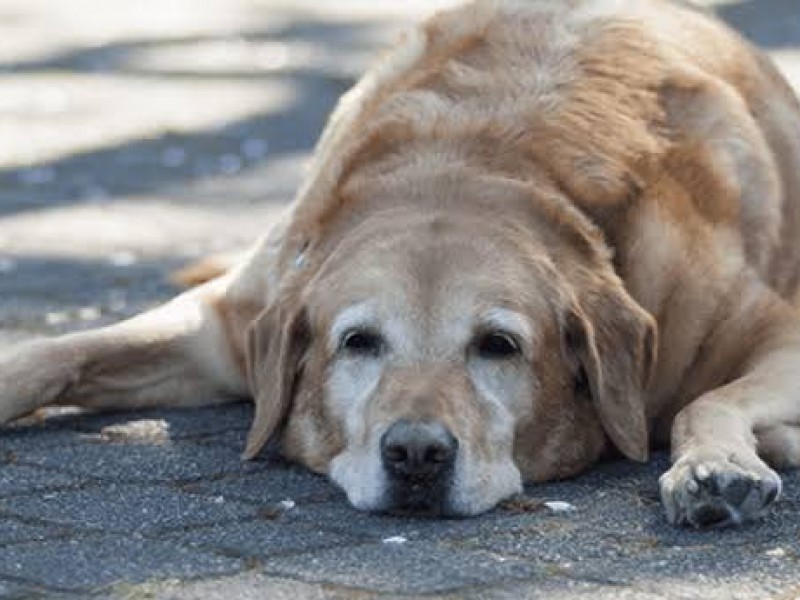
x,y
718,477
187,352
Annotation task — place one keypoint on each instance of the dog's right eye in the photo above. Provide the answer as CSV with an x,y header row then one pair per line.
x,y
362,342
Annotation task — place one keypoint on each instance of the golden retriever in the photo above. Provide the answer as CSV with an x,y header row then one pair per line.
x,y
534,234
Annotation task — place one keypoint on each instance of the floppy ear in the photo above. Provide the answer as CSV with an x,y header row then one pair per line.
x,y
615,341
277,341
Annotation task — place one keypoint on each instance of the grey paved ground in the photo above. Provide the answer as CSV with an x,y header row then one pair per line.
x,y
133,140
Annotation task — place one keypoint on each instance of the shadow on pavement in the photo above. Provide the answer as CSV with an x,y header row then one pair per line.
x,y
115,58
772,24
138,166
53,295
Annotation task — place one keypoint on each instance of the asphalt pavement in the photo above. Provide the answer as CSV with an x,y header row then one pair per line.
x,y
135,137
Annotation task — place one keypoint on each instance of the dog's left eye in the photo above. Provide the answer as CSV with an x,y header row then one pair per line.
x,y
362,342
496,345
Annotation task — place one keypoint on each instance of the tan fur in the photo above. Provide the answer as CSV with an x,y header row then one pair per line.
x,y
625,174
205,269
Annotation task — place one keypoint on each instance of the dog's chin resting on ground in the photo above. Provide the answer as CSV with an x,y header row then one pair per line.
x,y
533,234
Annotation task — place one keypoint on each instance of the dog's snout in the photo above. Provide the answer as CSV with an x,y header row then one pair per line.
x,y
418,448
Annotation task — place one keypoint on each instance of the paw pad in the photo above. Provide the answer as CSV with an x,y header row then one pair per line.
x,y
717,493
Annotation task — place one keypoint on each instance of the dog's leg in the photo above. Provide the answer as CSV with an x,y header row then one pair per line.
x,y
188,352
718,477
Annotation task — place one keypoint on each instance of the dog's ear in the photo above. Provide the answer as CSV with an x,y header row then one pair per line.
x,y
277,342
614,340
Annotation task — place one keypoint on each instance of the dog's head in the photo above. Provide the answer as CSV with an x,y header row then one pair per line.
x,y
428,361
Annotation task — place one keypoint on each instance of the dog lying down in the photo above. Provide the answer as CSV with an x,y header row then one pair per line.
x,y
534,234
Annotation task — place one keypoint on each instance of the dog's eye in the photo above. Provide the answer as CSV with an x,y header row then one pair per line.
x,y
362,342
496,346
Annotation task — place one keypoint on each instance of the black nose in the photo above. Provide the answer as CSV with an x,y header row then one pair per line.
x,y
418,449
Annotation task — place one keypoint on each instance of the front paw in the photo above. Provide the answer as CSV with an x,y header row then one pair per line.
x,y
713,488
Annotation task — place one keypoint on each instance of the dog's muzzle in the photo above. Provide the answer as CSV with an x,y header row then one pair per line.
x,y
419,458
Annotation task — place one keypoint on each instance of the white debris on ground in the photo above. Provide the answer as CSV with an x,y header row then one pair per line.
x,y
85,313
145,431
89,313
395,539
56,318
557,506
287,504
122,259
776,552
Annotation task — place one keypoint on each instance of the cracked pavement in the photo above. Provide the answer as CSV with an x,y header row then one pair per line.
x,y
135,139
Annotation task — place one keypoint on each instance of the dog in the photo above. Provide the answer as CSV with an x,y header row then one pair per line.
x,y
534,235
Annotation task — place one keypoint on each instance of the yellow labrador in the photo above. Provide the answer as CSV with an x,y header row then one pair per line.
x,y
534,233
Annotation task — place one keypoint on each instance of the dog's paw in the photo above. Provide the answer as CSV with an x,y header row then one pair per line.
x,y
717,489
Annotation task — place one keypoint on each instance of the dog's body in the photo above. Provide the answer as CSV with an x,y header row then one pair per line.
x,y
532,233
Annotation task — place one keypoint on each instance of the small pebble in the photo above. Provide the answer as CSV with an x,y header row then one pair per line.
x,y
776,552
287,504
395,539
558,506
